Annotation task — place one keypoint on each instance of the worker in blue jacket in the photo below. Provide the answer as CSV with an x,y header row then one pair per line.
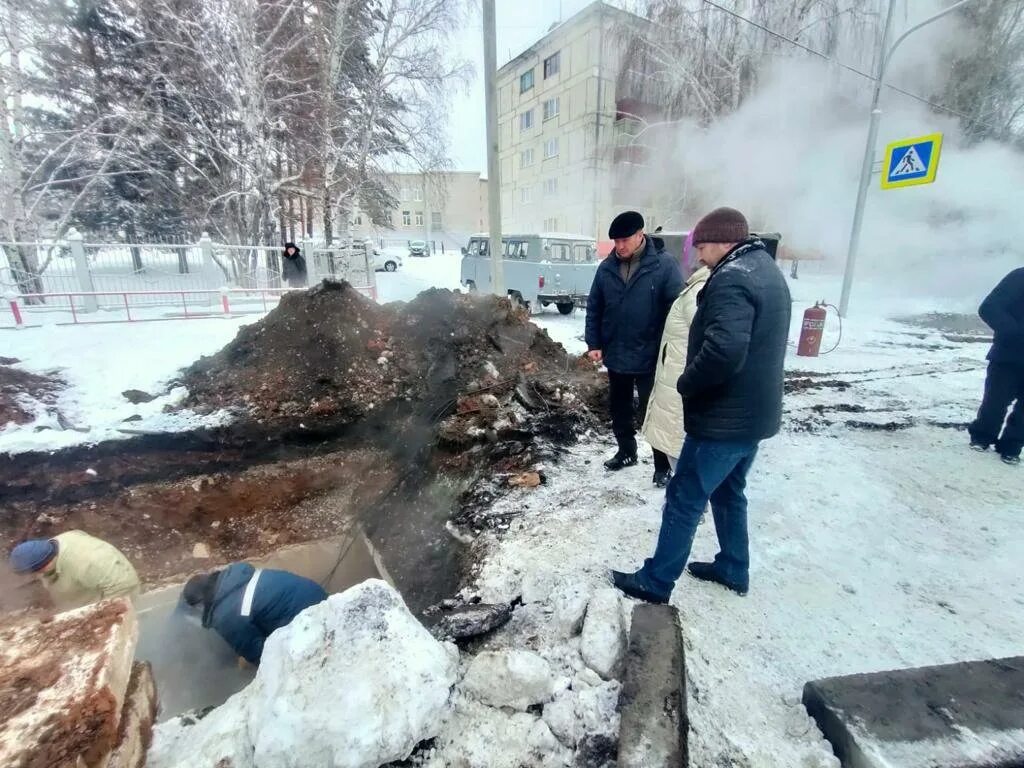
x,y
246,604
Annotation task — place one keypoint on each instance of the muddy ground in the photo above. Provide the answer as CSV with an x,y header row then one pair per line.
x,y
398,418
17,386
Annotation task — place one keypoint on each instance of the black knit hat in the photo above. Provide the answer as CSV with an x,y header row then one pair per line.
x,y
200,588
625,224
722,225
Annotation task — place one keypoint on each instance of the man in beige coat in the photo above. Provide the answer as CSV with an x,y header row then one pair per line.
x,y
663,426
76,568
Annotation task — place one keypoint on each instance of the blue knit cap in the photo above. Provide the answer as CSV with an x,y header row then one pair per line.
x,y
32,555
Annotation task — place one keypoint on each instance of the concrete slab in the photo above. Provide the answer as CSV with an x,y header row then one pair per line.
x,y
62,684
654,728
137,718
965,715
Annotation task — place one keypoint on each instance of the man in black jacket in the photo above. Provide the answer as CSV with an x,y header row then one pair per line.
x,y
293,266
732,399
1003,311
630,297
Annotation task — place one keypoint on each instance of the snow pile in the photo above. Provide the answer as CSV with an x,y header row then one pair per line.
x,y
353,682
515,679
604,637
478,736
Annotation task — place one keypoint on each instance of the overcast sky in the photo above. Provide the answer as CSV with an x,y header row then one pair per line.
x,y
520,23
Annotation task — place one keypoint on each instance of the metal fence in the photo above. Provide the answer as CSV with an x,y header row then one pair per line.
x,y
110,274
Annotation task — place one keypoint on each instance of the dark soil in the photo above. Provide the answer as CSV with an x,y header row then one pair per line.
x,y
797,382
330,356
15,384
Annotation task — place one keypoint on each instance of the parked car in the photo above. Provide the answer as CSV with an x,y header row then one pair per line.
x,y
540,269
387,262
418,248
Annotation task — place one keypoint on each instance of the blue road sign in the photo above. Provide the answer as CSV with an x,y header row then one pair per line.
x,y
912,161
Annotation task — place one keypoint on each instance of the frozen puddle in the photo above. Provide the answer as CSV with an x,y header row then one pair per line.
x,y
193,667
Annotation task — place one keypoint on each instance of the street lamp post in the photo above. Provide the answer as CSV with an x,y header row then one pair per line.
x,y
884,58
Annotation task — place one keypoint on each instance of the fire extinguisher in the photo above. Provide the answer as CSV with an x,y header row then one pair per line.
x,y
812,329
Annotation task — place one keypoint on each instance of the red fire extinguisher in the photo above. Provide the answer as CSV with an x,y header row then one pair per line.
x,y
812,329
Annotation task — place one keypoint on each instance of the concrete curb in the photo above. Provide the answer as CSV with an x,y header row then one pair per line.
x,y
964,715
655,727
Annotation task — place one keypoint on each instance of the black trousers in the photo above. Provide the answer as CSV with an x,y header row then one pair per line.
x,y
1003,384
624,417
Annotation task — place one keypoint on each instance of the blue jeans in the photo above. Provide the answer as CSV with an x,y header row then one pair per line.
x,y
708,469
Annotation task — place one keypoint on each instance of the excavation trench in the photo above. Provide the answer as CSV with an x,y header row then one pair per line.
x,y
358,429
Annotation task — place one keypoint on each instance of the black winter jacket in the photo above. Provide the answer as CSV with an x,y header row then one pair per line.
x,y
1003,311
293,268
732,383
625,321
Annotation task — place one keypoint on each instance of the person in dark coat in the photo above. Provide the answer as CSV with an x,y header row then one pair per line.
x,y
293,266
632,292
732,400
1003,311
244,605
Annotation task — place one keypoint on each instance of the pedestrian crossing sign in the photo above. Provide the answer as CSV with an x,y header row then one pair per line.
x,y
912,161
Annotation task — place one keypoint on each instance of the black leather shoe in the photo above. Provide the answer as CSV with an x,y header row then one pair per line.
x,y
661,477
708,572
979,447
1013,461
628,583
620,460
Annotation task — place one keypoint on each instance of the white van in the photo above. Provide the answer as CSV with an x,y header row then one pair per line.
x,y
540,269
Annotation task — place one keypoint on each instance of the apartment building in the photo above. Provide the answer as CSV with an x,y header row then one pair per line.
x,y
566,106
445,207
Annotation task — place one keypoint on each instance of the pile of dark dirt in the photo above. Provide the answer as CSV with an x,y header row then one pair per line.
x,y
329,357
17,385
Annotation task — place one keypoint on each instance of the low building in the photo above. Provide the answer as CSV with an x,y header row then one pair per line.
x,y
443,207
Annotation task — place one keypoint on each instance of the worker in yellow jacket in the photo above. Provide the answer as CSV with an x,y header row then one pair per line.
x,y
663,425
76,568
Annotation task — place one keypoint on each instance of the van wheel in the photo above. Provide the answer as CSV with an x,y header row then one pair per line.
x,y
470,286
517,300
565,309
390,266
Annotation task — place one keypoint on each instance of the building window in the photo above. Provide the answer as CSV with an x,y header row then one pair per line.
x,y
359,220
406,218
552,65
551,225
526,120
550,148
419,218
526,81
405,193
417,195
526,195
526,158
551,187
552,107
435,220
